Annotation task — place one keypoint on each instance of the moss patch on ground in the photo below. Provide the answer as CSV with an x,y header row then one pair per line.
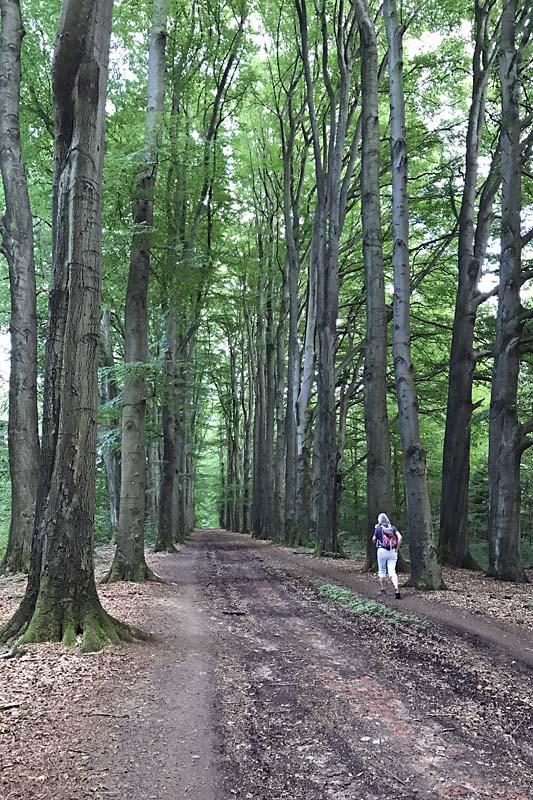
x,y
363,605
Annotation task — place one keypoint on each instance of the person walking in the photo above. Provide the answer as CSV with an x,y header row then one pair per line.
x,y
387,539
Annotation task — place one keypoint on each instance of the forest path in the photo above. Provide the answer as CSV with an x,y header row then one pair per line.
x,y
314,702
257,687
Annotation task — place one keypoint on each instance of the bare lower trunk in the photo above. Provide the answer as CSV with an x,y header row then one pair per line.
x,y
16,228
109,394
506,437
425,571
167,526
303,401
453,543
375,370
129,562
61,601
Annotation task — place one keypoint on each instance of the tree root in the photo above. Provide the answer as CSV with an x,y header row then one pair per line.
x,y
139,573
96,627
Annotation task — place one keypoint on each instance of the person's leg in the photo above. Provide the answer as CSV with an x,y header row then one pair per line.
x,y
382,567
391,569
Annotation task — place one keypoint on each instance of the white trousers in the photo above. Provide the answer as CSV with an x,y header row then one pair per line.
x,y
387,562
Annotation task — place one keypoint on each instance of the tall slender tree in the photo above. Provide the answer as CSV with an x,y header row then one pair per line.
x,y
425,570
474,229
507,436
375,369
16,228
129,562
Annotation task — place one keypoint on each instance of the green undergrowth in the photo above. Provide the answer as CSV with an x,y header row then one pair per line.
x,y
362,605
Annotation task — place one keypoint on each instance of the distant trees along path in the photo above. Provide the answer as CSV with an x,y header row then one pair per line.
x,y
268,271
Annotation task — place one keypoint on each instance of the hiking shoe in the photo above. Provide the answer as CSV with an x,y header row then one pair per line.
x,y
398,595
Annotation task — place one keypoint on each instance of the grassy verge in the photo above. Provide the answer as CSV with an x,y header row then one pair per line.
x,y
362,605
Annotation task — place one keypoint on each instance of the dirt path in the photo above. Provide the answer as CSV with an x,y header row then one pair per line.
x,y
259,687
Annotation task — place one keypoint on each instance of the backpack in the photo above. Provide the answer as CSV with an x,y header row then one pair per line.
x,y
389,539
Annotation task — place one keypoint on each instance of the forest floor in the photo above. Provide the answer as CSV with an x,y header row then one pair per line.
x,y
257,685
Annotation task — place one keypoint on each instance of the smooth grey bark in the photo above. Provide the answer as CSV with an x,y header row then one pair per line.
x,y
247,412
280,448
375,370
507,438
16,228
167,523
474,231
300,533
109,393
270,407
258,492
129,562
61,602
425,570
333,173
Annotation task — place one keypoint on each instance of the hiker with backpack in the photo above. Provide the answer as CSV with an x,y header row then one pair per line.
x,y
387,539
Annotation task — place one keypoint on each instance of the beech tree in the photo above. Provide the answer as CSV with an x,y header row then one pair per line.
x,y
16,228
375,370
473,235
61,602
508,438
425,571
129,562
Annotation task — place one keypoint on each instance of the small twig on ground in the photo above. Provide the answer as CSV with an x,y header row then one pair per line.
x,y
106,714
519,725
6,706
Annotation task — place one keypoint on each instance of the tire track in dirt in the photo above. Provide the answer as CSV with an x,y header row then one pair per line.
x,y
314,702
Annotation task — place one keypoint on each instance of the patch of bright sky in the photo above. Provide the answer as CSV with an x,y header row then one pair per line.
x,y
259,36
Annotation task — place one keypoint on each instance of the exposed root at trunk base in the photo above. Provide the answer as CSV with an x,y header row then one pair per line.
x,y
469,562
135,573
165,548
96,627
512,575
53,621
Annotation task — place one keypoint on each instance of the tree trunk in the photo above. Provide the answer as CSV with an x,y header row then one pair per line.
x,y
166,526
16,228
506,437
109,393
61,602
425,571
129,562
453,543
270,407
303,401
280,414
375,370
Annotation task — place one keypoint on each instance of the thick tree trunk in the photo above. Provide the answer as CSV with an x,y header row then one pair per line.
x,y
16,228
453,543
375,370
129,562
425,571
61,602
506,436
109,393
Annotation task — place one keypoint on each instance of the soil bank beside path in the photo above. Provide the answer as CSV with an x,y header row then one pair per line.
x,y
516,641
